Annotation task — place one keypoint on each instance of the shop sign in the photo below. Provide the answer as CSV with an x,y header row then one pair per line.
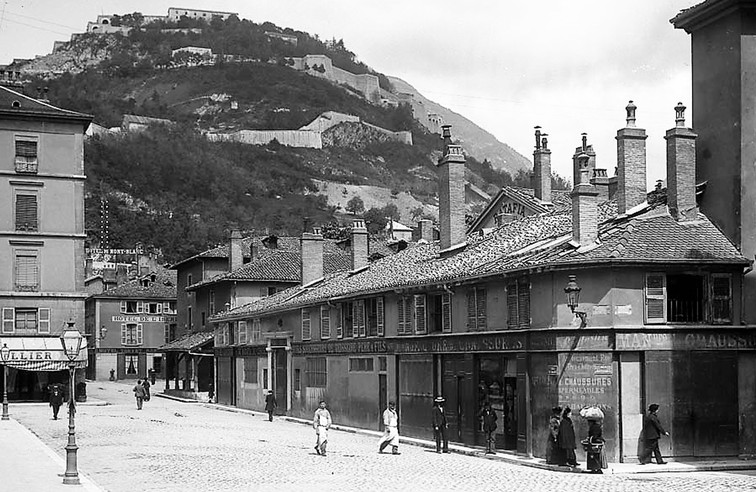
x,y
547,341
252,350
120,318
483,343
345,347
686,341
586,379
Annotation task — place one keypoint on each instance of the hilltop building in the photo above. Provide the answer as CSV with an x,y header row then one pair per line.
x,y
41,239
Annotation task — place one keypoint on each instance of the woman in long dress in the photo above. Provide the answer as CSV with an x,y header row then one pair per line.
x,y
566,438
553,456
595,450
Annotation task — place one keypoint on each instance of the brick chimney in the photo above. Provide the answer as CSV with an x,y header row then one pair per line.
x,y
426,230
631,163
584,205
587,150
451,194
235,255
601,181
359,244
312,256
681,168
542,167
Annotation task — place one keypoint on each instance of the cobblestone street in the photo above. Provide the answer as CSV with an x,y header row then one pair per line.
x,y
177,446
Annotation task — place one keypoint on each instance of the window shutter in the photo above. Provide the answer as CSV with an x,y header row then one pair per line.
x,y
379,316
306,332
44,320
340,321
26,156
523,304
512,310
420,322
361,317
400,306
325,322
27,271
26,212
721,298
123,306
139,334
160,308
123,333
472,322
480,308
140,307
656,298
446,321
242,332
8,320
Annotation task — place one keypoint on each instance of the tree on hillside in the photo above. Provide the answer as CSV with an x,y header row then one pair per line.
x,y
355,206
375,220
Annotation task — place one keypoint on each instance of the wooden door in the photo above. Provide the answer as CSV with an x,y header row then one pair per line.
x,y
280,377
382,403
460,402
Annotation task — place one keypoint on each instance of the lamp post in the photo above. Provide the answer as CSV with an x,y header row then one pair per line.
x,y
71,341
5,355
572,291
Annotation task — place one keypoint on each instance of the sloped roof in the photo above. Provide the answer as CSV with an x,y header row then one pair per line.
x,y
13,103
164,287
648,236
700,14
143,120
192,341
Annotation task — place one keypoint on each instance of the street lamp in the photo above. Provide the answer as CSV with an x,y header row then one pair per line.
x,y
572,290
71,341
5,355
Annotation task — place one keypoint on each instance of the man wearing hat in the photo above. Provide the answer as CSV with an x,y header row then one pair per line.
x,y
391,432
652,431
439,424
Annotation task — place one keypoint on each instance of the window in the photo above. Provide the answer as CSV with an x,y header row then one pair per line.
x,y
421,323
27,218
306,328
256,330
131,334
325,322
221,335
188,279
272,290
202,318
297,380
26,155
189,317
169,307
154,308
26,321
26,271
132,307
157,364
382,365
241,337
170,332
265,378
375,317
404,308
518,304
688,298
132,363
317,376
250,370
358,319
439,313
211,303
339,321
476,309
360,364
347,312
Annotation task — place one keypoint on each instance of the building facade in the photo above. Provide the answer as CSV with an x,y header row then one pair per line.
x,y
41,239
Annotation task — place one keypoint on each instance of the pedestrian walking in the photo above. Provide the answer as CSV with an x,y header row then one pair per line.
x,y
553,453
270,404
596,456
652,432
151,375
56,398
488,417
146,385
321,422
391,430
439,424
139,394
566,438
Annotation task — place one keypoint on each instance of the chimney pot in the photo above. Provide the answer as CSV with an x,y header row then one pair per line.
x,y
681,169
542,168
680,115
538,137
631,164
630,120
451,193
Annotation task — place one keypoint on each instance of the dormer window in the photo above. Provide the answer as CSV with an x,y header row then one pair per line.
x,y
16,104
26,155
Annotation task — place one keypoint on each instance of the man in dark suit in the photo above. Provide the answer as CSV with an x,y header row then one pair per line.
x,y
652,431
270,404
439,424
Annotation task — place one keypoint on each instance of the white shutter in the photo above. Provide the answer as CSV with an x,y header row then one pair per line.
x,y
379,316
656,298
9,325
140,307
400,304
480,308
123,333
361,319
160,308
139,334
123,306
446,320
306,330
242,338
44,320
420,321
339,321
325,322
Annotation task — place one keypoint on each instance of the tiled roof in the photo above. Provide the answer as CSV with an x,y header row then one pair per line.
x,y
164,287
188,342
14,103
651,235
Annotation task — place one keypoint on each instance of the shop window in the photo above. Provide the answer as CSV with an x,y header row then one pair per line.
x,y
27,213
325,322
375,316
132,364
317,375
131,334
250,370
404,310
360,364
518,304
306,328
688,298
26,271
476,309
26,155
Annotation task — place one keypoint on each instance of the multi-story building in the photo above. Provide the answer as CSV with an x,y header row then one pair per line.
x,y
41,238
128,323
485,317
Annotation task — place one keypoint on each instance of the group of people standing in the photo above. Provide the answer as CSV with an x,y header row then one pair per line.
x,y
141,392
561,444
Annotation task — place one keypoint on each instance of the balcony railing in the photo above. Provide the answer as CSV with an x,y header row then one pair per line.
x,y
685,311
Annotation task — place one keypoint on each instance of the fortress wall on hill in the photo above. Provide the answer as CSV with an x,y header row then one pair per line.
x,y
290,138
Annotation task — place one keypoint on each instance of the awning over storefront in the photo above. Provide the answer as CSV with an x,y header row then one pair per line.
x,y
190,343
41,354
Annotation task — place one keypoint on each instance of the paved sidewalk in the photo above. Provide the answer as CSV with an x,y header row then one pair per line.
x,y
27,464
733,464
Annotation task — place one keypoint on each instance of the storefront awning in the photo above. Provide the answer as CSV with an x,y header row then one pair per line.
x,y
190,343
41,354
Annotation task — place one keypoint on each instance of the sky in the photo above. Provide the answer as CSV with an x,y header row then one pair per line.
x,y
507,65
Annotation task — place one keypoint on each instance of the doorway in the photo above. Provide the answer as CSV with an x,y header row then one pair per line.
x,y
460,407
280,376
382,403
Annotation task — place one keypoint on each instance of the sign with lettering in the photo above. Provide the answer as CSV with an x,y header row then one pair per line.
x,y
142,318
101,251
510,207
549,341
686,341
340,347
586,379
478,343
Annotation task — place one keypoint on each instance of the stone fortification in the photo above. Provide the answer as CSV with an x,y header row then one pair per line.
x,y
365,84
290,138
